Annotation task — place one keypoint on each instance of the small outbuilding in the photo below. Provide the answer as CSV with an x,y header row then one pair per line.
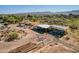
x,y
55,30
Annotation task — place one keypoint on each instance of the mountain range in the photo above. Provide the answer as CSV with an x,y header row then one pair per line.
x,y
75,12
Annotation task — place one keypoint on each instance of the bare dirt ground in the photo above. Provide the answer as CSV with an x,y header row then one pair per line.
x,y
6,46
42,43
55,49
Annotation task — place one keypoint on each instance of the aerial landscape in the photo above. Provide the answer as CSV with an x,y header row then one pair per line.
x,y
39,28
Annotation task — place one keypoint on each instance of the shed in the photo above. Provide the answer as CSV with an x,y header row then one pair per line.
x,y
55,30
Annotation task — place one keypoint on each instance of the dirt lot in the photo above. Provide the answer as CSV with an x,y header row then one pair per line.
x,y
33,42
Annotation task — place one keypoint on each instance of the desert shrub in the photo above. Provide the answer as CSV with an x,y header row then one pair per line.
x,y
67,38
12,19
12,36
73,26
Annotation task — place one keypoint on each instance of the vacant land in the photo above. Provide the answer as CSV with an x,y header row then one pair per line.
x,y
17,34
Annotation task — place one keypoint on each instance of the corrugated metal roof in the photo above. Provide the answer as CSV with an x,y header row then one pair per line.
x,y
43,25
59,27
52,26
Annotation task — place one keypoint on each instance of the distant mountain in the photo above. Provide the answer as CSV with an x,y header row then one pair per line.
x,y
41,13
32,13
75,12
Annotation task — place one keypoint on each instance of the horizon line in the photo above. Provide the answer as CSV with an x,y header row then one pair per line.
x,y
36,12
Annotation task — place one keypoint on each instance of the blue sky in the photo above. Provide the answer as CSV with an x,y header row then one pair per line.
x,y
8,9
